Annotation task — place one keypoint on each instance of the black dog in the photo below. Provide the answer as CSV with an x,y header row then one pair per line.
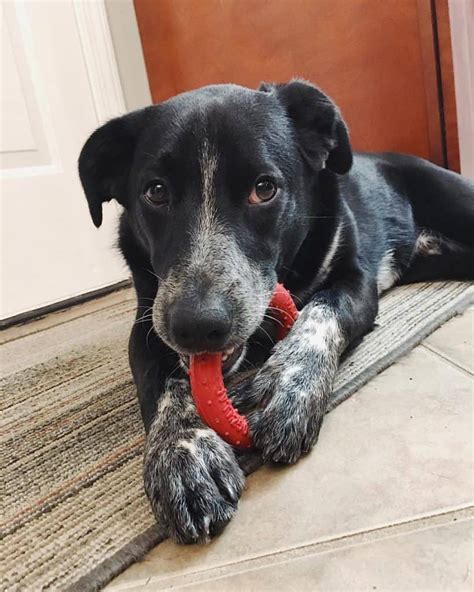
x,y
226,191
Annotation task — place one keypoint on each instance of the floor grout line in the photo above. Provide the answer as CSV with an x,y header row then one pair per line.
x,y
446,358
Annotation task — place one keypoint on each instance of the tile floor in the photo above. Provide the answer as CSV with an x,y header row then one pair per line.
x,y
384,502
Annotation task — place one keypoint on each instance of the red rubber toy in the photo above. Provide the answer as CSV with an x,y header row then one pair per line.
x,y
207,383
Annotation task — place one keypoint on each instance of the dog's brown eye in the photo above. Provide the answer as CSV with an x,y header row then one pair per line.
x,y
264,190
156,193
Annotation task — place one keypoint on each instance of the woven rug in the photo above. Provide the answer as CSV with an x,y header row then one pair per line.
x,y
74,513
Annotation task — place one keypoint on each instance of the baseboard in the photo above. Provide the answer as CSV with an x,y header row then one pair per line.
x,y
37,313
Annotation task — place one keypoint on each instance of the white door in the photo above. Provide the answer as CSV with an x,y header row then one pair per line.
x,y
59,82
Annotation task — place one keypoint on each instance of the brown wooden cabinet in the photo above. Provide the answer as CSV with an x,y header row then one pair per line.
x,y
387,63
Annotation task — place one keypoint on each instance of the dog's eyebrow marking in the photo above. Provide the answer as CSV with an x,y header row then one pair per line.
x,y
208,166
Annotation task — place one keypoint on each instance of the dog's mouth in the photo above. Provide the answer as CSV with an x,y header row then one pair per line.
x,y
231,358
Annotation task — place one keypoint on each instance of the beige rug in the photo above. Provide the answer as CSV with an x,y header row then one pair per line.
x,y
74,512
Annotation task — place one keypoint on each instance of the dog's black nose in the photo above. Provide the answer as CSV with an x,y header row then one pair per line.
x,y
201,330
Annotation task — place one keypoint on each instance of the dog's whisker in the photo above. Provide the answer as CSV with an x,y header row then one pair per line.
x,y
146,309
268,335
154,156
316,217
153,273
175,369
144,318
142,321
276,309
152,328
270,318
145,315
298,299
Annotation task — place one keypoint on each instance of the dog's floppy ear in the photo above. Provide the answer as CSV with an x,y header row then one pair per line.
x,y
321,131
105,161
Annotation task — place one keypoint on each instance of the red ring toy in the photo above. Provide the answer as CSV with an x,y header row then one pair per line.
x,y
207,383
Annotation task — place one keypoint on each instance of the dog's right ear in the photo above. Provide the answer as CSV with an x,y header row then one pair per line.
x,y
320,129
105,161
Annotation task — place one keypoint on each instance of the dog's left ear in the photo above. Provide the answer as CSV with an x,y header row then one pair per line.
x,y
105,161
322,133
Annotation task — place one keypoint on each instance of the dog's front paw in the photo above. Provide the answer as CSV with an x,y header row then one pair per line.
x,y
282,431
194,484
290,409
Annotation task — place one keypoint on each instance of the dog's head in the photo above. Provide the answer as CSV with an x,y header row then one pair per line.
x,y
218,185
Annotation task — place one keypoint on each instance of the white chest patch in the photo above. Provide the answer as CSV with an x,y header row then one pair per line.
x,y
387,273
326,265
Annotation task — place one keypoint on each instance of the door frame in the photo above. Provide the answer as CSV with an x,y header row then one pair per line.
x,y
99,55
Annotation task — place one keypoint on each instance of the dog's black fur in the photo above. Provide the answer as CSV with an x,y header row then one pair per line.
x,y
205,259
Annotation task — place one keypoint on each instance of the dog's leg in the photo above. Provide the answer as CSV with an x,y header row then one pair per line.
x,y
292,389
192,478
